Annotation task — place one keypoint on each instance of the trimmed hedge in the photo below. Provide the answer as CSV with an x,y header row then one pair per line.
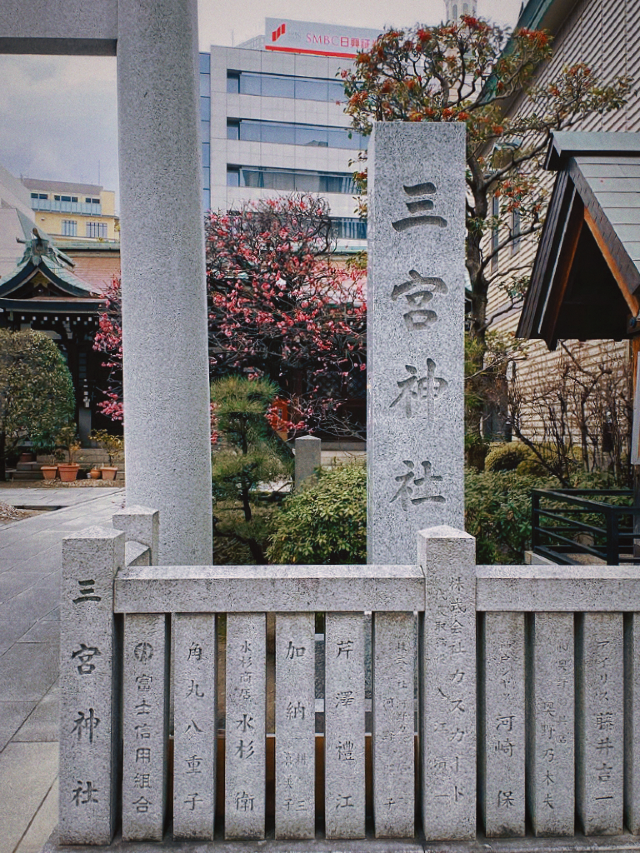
x,y
325,522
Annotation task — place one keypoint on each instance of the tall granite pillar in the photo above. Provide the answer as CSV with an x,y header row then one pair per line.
x,y
166,381
415,334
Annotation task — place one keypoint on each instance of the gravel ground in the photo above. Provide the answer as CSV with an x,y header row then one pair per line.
x,y
9,513
57,484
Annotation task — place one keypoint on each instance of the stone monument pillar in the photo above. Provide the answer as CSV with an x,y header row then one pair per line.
x,y
415,420
166,378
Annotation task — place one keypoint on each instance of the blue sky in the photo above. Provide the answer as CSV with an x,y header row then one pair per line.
x,y
58,114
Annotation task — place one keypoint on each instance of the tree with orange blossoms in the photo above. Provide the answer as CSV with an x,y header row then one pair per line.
x,y
473,71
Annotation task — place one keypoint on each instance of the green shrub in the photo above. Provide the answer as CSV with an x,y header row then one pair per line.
x,y
251,457
507,457
532,467
498,513
326,522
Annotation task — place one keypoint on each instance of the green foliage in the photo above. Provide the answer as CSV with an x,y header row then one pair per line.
x,y
531,466
498,513
113,444
507,457
67,438
326,522
36,391
251,456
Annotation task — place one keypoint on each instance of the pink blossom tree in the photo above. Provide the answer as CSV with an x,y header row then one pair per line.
x,y
279,308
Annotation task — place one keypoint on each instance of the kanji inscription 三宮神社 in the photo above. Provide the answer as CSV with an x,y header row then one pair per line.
x,y
415,335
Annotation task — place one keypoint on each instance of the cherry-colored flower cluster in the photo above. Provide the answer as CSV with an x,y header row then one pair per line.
x,y
278,307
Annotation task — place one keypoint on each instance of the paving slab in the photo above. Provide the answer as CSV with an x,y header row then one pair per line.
x,y
40,828
42,724
12,716
27,671
27,772
30,562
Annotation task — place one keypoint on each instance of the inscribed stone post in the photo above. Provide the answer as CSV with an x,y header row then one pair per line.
x,y
448,685
145,726
245,756
194,760
344,726
89,702
503,725
599,720
393,725
415,330
632,722
550,725
295,725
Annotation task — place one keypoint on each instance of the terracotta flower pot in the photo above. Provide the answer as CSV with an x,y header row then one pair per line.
x,y
94,474
49,471
68,473
108,472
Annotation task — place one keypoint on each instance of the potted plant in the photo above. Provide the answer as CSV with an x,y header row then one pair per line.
x,y
114,446
95,473
67,438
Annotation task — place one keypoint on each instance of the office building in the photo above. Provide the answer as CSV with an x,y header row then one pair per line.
x,y
273,120
69,212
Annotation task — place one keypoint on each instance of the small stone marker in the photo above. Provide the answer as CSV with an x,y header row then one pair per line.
x,y
295,725
551,714
145,731
503,746
393,725
308,451
448,673
195,734
599,739
89,730
632,724
344,726
245,759
415,327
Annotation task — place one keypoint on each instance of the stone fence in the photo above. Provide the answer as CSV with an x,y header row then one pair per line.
x,y
503,699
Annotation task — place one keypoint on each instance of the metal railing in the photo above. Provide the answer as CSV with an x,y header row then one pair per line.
x,y
598,523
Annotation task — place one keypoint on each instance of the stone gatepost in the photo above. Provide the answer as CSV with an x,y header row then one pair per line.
x,y
166,382
415,334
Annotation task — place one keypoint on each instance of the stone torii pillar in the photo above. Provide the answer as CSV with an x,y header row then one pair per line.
x,y
166,379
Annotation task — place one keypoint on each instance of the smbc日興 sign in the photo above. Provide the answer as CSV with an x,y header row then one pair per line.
x,y
323,39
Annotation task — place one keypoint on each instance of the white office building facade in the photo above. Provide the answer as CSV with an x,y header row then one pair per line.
x,y
273,121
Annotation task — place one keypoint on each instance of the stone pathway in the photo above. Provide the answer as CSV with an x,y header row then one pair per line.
x,y
30,558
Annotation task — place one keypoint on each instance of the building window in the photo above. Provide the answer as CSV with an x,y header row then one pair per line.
x,y
97,229
285,133
495,233
349,229
298,180
283,86
89,200
515,231
69,228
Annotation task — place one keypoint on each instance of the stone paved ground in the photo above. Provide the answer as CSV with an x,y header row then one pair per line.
x,y
30,558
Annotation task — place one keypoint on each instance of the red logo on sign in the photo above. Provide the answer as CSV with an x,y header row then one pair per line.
x,y
275,35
